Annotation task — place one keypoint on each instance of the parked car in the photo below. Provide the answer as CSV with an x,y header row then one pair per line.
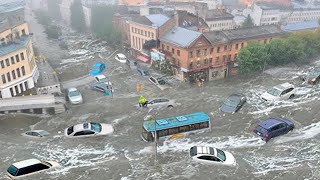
x,y
161,102
313,77
279,92
273,127
26,168
121,58
36,133
102,87
97,69
102,79
74,96
133,64
88,130
210,155
157,80
233,103
143,72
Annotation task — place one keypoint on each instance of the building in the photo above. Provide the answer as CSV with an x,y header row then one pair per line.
x,y
218,20
147,28
298,26
190,21
211,55
212,4
131,2
18,69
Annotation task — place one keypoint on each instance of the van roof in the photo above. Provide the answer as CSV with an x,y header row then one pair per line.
x,y
26,163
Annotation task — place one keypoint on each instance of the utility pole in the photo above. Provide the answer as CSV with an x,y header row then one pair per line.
x,y
155,142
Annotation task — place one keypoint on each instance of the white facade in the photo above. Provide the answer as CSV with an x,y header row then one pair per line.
x,y
87,15
65,11
212,4
219,25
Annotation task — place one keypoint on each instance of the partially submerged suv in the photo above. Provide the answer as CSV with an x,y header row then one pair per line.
x,y
279,92
210,155
23,169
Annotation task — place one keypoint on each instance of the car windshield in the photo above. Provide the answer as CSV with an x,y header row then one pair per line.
x,y
12,170
70,130
193,151
146,72
261,129
43,133
96,127
161,81
232,101
221,155
74,93
274,92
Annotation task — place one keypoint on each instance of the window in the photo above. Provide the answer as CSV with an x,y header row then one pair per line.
x,y
18,72
237,46
167,48
198,53
178,52
235,56
13,74
148,34
210,60
2,64
198,63
224,58
211,50
218,49
23,71
22,56
151,35
8,77
12,60
23,32
242,45
190,54
225,47
3,79
214,74
206,61
162,47
217,60
190,65
80,133
7,62
172,50
205,52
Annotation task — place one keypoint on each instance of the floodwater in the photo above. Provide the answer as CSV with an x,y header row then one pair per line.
x,y
124,156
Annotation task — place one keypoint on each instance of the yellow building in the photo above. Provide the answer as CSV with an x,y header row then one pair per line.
x,y
18,69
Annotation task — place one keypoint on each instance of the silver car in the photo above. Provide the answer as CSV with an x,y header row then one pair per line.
x,y
161,103
74,96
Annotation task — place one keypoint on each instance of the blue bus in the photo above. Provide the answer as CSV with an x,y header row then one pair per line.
x,y
174,125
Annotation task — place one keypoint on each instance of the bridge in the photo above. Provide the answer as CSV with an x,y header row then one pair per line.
x,y
38,104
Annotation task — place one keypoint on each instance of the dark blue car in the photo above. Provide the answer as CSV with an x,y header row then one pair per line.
x,y
273,127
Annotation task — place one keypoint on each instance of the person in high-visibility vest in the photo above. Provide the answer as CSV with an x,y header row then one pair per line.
x,y
143,101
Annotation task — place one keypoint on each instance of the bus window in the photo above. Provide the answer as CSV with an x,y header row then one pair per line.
x,y
173,131
162,133
204,125
147,135
194,127
184,129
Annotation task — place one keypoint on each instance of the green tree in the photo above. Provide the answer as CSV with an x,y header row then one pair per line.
x,y
253,58
248,22
102,23
278,51
77,17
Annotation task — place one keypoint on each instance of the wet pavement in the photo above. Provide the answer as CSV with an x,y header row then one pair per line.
x,y
123,155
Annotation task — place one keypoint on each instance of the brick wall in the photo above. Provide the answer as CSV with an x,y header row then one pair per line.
x,y
168,25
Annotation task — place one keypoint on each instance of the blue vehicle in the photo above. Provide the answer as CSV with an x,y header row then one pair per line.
x,y
273,127
174,125
97,69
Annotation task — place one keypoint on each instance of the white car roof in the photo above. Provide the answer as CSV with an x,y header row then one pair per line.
x,y
26,163
101,76
284,86
79,127
206,150
72,89
121,55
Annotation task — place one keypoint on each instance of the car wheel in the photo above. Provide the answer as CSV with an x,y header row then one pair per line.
x,y
170,106
291,96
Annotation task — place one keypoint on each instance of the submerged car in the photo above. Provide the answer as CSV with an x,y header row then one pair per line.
x,y
143,72
88,130
313,77
102,79
280,92
233,103
273,127
36,133
210,155
74,96
121,58
161,102
102,87
26,168
97,69
133,64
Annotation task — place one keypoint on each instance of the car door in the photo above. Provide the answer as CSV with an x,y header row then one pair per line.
x,y
156,103
278,130
208,159
165,102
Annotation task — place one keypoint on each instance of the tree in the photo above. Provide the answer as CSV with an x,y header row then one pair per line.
x,y
77,17
102,23
253,58
248,22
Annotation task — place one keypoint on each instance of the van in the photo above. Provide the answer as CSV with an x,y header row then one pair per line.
x,y
121,58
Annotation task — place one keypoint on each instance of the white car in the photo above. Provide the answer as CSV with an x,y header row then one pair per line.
x,y
102,79
36,133
74,96
159,82
280,92
121,58
210,155
26,168
88,129
161,102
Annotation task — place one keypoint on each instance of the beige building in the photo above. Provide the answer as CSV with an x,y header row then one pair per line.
x,y
18,69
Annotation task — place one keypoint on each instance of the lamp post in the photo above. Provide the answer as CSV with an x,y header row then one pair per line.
x,y
155,142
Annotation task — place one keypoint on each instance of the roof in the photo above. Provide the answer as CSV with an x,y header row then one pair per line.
x,y
11,47
267,124
253,32
151,20
271,6
11,6
180,37
313,24
79,127
218,15
284,86
72,89
216,37
25,163
176,121
189,20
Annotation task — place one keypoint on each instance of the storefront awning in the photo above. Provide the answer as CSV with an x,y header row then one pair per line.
x,y
142,58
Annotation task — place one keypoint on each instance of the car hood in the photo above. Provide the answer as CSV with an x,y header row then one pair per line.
x,y
106,129
268,96
75,98
230,160
227,109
